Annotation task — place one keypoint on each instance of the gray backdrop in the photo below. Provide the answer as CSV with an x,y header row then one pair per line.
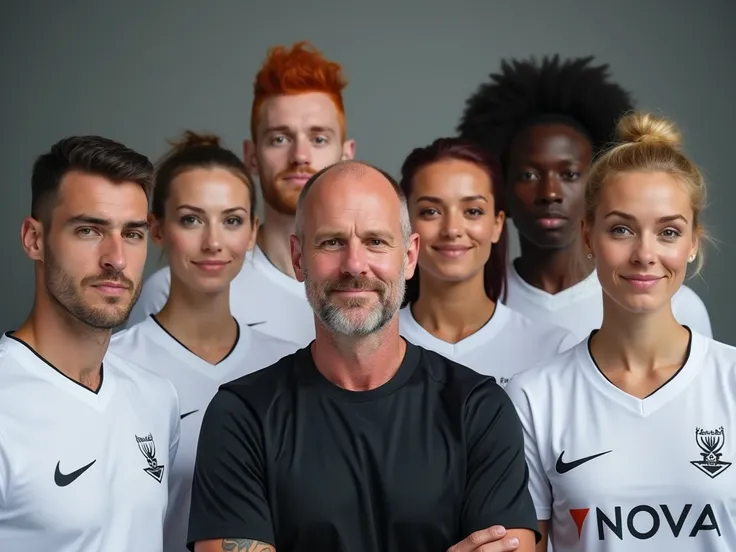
x,y
141,72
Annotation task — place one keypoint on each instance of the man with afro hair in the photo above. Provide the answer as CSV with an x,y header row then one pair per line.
x,y
547,121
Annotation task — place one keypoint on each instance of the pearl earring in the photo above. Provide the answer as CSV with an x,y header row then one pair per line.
x,y
691,258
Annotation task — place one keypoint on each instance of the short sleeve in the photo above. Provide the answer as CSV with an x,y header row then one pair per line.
x,y
229,492
496,490
689,310
153,297
538,483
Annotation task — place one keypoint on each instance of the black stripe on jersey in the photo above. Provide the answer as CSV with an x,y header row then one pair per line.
x,y
673,376
235,344
47,363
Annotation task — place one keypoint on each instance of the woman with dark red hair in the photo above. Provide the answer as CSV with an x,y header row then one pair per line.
x,y
453,303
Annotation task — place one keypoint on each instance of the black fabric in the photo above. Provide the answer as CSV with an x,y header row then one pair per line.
x,y
287,458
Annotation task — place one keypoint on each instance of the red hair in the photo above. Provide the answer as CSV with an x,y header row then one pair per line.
x,y
298,70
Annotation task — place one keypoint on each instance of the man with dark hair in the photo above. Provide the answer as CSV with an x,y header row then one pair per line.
x,y
547,121
86,438
360,441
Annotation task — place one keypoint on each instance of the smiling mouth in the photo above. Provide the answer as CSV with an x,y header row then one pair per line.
x,y
642,282
451,251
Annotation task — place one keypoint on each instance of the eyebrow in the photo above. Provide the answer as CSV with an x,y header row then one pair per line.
x,y
200,210
313,129
432,199
627,216
96,221
323,235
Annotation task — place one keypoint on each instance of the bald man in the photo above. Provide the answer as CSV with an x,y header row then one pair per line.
x,y
360,441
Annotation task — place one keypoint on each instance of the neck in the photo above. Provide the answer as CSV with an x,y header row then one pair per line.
x,y
195,318
359,364
273,239
69,345
638,342
452,311
548,269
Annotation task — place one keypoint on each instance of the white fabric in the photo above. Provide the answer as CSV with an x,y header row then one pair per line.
x,y
196,382
51,426
655,487
507,344
580,307
260,295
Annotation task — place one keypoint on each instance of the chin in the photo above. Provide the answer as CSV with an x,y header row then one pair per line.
x,y
450,272
640,304
210,287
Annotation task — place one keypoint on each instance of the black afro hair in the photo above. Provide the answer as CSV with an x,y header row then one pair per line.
x,y
524,90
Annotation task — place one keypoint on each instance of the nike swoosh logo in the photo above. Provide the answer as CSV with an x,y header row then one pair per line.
x,y
564,467
255,324
62,480
188,414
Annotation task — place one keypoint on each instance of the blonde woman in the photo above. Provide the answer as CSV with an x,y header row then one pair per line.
x,y
629,436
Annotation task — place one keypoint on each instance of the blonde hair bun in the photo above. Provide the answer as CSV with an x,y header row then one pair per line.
x,y
648,128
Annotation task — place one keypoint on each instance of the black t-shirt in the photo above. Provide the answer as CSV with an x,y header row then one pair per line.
x,y
288,458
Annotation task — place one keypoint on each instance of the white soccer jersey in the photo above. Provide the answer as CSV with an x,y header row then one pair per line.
x,y
615,473
580,307
260,295
196,382
82,471
507,344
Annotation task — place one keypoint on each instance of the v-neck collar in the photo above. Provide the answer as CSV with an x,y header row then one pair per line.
x,y
659,398
553,301
156,332
411,329
32,361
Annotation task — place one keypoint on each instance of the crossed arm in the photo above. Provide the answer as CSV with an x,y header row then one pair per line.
x,y
233,545
487,540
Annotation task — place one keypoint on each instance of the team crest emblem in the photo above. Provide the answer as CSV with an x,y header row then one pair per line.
x,y
711,443
148,449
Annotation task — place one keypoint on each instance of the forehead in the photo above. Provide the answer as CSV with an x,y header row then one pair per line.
x,y
451,178
94,195
299,111
552,141
646,194
347,203
213,186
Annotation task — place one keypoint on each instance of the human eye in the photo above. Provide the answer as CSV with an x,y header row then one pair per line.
x,y
87,231
620,231
671,233
188,220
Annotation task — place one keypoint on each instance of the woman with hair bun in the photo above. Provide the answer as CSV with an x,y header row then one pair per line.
x,y
630,435
454,301
203,216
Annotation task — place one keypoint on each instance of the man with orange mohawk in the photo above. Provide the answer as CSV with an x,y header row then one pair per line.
x,y
297,128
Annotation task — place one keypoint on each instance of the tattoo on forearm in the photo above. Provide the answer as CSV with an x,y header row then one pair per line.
x,y
245,545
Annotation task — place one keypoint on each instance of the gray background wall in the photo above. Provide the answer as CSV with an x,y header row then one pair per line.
x,y
142,71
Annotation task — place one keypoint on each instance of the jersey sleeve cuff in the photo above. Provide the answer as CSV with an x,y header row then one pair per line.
x,y
543,514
